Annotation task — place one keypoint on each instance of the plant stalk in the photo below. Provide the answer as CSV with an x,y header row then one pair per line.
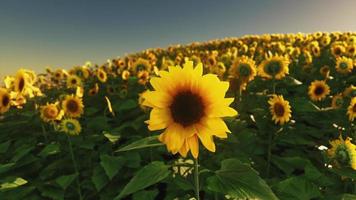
x,y
196,178
75,168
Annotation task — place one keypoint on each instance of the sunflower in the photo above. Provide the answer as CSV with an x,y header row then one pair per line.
x,y
351,110
125,75
280,109
94,90
350,91
343,152
101,75
318,90
325,71
5,100
189,106
141,65
337,101
344,65
274,67
21,81
351,50
72,106
70,126
337,49
73,81
143,77
51,112
243,68
59,74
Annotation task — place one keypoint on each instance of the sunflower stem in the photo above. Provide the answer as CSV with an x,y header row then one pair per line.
x,y
274,85
196,178
269,153
75,168
44,133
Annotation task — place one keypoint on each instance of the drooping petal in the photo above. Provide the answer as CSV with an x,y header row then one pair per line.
x,y
193,143
206,138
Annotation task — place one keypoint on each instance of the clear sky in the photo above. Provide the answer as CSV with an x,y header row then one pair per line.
x,y
63,33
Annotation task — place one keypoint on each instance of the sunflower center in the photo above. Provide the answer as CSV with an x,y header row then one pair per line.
x,y
74,81
72,106
187,108
101,75
342,155
319,90
5,100
278,109
343,65
337,51
273,68
244,70
70,126
354,109
50,113
21,84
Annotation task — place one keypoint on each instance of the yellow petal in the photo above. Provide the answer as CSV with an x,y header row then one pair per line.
x,y
157,99
193,144
216,125
206,138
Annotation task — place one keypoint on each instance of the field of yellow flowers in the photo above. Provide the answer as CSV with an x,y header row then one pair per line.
x,y
257,117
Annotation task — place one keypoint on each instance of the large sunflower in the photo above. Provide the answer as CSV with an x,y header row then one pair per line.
x,y
351,110
70,126
243,68
72,106
344,65
274,67
189,106
280,109
51,112
5,100
318,90
343,152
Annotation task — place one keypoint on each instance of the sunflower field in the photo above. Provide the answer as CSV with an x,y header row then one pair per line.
x,y
256,117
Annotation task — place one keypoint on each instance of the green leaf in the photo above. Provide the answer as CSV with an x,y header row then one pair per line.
x,y
50,149
99,178
239,181
297,188
147,142
127,105
348,172
147,176
145,195
111,164
65,181
11,183
52,192
302,104
4,146
112,138
6,167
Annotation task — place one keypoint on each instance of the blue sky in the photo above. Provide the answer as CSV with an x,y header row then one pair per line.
x,y
59,33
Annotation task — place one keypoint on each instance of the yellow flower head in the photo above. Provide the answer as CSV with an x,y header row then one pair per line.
x,y
102,76
274,67
94,90
189,106
73,106
5,100
280,109
344,65
125,75
318,90
350,91
343,152
351,110
243,68
51,112
24,83
337,49
70,126
142,65
59,74
325,71
143,77
337,101
73,81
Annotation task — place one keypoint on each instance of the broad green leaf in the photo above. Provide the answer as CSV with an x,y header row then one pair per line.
x,y
111,164
127,105
65,181
4,146
302,104
147,176
348,172
6,167
52,193
147,142
11,183
21,152
99,178
297,188
239,181
50,149
145,195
